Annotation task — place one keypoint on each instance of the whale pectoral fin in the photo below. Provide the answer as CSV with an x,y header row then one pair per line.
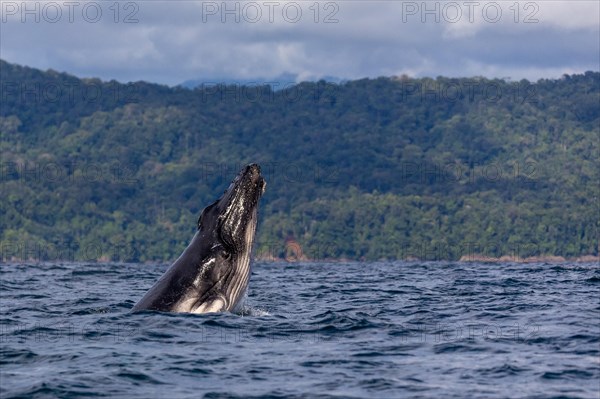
x,y
205,212
210,306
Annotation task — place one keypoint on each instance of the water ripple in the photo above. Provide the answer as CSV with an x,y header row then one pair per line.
x,y
339,330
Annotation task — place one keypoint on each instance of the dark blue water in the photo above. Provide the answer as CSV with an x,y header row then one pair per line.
x,y
356,330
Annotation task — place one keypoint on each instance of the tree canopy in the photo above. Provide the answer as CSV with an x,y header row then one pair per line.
x,y
386,168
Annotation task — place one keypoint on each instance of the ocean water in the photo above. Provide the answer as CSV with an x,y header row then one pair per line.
x,y
336,330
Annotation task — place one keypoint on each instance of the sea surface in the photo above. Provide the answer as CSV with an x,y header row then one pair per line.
x,y
320,330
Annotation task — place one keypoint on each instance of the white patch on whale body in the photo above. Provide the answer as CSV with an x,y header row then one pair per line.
x,y
202,275
210,307
185,305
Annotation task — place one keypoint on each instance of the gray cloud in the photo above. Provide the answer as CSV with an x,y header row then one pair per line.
x,y
170,42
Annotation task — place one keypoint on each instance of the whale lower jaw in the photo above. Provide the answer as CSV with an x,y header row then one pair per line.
x,y
213,306
218,305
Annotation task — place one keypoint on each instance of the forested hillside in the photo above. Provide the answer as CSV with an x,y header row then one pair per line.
x,y
387,168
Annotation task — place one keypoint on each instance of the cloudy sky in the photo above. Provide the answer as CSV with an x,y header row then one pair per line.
x,y
173,41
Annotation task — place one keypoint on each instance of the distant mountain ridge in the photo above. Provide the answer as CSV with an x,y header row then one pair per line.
x,y
280,82
386,168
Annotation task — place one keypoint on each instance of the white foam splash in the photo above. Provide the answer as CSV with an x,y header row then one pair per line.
x,y
252,311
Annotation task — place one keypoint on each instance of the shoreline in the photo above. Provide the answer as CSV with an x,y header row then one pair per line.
x,y
463,259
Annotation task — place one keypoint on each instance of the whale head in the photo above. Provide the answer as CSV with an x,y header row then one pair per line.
x,y
228,226
231,219
212,274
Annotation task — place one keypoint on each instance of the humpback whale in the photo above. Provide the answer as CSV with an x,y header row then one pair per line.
x,y
212,273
